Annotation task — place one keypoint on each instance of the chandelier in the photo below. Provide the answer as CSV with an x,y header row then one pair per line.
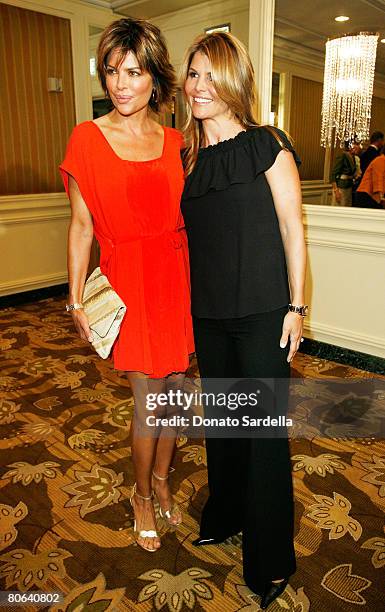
x,y
348,88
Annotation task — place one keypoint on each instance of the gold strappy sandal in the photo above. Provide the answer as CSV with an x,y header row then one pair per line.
x,y
169,515
143,533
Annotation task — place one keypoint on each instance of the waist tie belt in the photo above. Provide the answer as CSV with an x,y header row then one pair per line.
x,y
109,244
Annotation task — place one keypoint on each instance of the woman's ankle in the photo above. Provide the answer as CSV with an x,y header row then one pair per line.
x,y
160,474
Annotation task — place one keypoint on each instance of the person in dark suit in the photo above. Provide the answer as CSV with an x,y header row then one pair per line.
x,y
344,173
376,143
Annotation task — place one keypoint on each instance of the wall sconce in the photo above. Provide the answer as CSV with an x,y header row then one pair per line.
x,y
55,85
93,66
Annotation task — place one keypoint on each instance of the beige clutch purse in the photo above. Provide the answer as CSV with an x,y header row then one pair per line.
x,y
105,311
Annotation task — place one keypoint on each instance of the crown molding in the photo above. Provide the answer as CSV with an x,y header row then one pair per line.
x,y
376,4
101,3
300,27
125,4
288,50
115,5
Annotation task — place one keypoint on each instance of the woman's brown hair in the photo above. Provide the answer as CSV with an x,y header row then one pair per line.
x,y
233,78
145,40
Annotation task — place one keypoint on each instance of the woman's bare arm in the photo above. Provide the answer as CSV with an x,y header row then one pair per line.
x,y
80,236
285,187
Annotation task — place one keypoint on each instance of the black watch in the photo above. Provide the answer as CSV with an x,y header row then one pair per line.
x,y
302,310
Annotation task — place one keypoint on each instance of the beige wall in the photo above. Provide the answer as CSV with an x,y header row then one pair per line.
x,y
346,277
33,236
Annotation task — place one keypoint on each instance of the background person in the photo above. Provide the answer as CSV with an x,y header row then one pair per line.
x,y
358,174
345,170
124,177
370,193
373,150
242,210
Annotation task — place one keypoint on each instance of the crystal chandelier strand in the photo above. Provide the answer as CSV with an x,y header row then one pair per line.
x,y
348,88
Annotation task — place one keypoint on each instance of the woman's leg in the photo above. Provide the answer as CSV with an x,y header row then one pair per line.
x,y
164,454
143,448
222,514
268,548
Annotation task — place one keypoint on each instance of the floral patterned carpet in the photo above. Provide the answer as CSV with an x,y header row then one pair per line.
x,y
66,524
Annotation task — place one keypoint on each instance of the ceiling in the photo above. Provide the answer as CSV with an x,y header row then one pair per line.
x,y
306,24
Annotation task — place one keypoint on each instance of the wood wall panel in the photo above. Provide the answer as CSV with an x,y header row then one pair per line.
x,y
34,123
305,126
377,121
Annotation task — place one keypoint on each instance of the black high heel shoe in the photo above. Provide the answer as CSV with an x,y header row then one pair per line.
x,y
272,591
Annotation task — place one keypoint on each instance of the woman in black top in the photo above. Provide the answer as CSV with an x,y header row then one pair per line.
x,y
242,211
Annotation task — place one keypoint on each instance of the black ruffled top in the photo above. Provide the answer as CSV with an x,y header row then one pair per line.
x,y
237,261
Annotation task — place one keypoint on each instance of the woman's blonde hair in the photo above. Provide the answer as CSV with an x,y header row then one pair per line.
x,y
233,78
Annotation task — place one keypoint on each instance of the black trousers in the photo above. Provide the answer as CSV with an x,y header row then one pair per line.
x,y
250,483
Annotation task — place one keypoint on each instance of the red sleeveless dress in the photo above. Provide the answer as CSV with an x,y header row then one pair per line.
x,y
135,207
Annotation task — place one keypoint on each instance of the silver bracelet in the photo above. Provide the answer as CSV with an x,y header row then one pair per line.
x,y
73,307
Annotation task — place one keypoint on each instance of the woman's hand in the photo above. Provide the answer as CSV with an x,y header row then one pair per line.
x,y
292,328
80,320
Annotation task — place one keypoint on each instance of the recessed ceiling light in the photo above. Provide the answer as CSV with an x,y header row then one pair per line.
x,y
342,18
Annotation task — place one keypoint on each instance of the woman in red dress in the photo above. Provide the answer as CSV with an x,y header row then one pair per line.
x,y
124,177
